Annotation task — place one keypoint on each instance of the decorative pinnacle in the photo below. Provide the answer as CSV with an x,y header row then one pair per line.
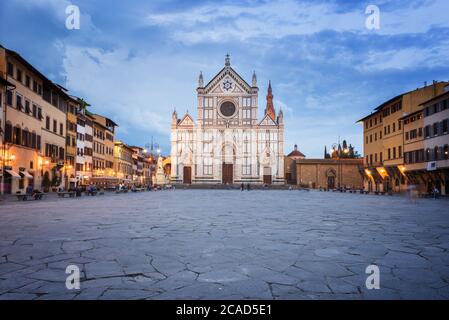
x,y
201,80
254,84
228,60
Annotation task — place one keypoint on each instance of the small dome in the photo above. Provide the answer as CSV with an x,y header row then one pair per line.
x,y
296,153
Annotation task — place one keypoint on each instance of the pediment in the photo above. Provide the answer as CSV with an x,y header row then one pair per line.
x,y
239,84
217,89
267,121
186,121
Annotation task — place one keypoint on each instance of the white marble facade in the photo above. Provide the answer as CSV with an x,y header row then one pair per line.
x,y
227,143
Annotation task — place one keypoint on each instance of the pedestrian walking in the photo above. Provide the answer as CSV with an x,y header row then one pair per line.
x,y
436,193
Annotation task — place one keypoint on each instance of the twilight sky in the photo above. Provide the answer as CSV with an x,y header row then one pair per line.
x,y
135,61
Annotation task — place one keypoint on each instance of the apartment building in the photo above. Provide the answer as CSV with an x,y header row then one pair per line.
x,y
123,162
98,150
108,142
384,139
71,143
138,165
34,117
84,146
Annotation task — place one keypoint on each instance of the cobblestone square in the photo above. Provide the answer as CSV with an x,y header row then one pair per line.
x,y
225,244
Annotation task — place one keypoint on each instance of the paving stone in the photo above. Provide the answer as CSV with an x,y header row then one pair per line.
x,y
9,267
223,244
126,294
103,269
17,296
313,286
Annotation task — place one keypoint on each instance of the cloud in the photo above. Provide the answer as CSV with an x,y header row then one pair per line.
x,y
279,19
217,22
406,58
56,7
140,90
139,60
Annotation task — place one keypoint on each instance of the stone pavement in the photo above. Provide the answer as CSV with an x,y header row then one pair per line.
x,y
225,244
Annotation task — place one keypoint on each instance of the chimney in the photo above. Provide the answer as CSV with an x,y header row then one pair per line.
x,y
435,88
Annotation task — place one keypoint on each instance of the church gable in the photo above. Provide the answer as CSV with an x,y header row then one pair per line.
x,y
267,121
237,89
240,85
186,121
217,89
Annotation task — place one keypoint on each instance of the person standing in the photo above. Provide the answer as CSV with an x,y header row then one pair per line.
x,y
436,193
29,189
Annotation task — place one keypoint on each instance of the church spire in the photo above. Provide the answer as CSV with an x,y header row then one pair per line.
x,y
201,80
174,118
270,106
254,84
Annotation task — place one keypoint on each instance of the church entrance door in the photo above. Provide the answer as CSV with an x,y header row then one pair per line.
x,y
187,178
267,179
228,173
331,182
267,175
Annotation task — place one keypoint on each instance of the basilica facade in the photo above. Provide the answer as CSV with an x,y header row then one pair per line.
x,y
226,143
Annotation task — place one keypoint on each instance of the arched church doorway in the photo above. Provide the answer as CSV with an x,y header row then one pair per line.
x,y
331,178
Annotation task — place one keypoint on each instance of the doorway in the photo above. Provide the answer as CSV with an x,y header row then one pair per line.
x,y
331,182
187,176
227,173
331,174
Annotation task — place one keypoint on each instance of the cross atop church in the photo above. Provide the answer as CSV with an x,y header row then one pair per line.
x,y
228,60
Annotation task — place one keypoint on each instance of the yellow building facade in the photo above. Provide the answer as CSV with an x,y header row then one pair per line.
x,y
34,119
123,162
383,137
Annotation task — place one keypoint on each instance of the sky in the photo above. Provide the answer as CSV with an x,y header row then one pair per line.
x,y
137,61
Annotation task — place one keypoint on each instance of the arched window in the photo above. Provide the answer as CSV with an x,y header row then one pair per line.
x,y
435,154
446,152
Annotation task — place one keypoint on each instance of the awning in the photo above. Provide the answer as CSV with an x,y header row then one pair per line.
x,y
13,174
376,176
166,161
26,174
390,171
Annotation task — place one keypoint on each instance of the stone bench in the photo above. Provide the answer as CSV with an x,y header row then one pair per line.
x,y
28,197
70,194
